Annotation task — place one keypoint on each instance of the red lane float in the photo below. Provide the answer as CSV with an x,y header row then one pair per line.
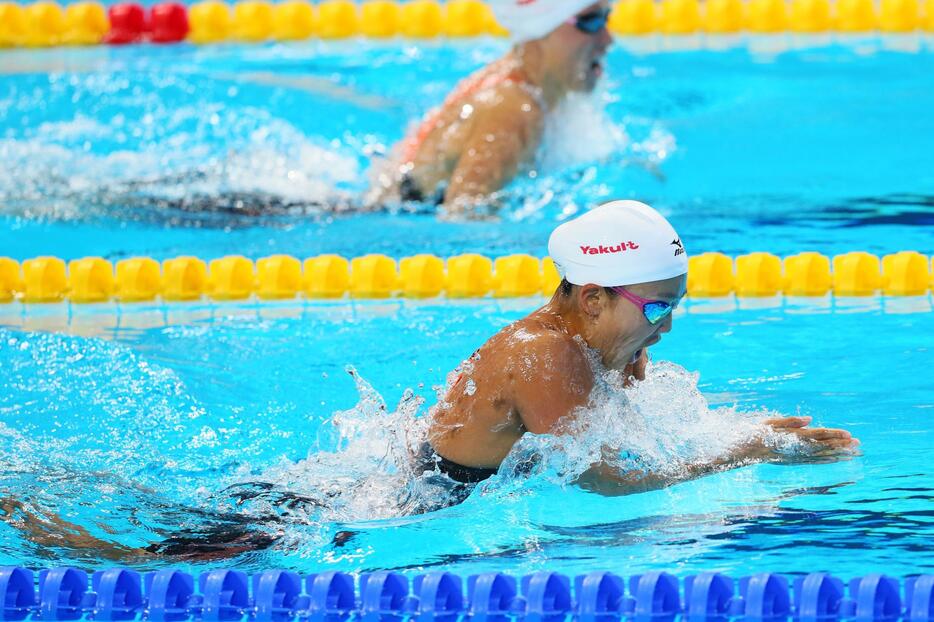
x,y
127,24
169,22
166,22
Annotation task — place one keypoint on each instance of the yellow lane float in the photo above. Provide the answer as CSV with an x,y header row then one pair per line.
x,y
278,277
209,22
284,277
293,20
86,23
380,18
252,20
469,276
338,19
326,276
44,280
758,274
90,279
184,278
807,274
723,16
138,279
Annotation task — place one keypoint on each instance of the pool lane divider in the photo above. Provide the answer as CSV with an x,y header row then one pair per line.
x,y
282,596
283,277
46,23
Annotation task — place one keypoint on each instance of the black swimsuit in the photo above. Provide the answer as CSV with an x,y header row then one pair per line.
x,y
409,191
430,460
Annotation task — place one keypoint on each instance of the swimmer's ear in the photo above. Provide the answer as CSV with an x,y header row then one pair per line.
x,y
591,299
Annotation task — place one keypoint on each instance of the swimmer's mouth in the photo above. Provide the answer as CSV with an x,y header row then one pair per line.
x,y
596,67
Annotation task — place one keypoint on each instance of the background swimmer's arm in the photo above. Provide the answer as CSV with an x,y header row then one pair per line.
x,y
500,137
552,380
822,443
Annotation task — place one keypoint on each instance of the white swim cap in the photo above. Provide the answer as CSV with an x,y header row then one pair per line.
x,y
532,19
618,243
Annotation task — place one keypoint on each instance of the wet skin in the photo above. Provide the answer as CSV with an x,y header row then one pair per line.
x,y
535,374
479,142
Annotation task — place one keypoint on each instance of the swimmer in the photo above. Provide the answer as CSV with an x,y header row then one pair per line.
x,y
490,126
487,130
624,271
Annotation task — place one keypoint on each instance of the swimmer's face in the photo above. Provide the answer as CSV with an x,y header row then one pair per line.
x,y
618,328
578,56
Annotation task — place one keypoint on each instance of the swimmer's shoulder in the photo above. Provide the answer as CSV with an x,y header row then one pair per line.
x,y
540,340
510,97
550,374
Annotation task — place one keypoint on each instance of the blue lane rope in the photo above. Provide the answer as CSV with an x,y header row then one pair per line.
x,y
282,596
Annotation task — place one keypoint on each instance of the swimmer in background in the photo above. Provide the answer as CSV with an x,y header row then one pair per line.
x,y
624,271
490,126
486,131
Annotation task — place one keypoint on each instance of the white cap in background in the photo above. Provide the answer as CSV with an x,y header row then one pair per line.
x,y
532,19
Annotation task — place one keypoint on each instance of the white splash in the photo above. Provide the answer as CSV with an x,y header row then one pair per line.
x,y
366,474
662,425
63,173
579,131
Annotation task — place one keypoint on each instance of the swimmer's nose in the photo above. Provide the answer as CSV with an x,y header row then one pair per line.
x,y
666,325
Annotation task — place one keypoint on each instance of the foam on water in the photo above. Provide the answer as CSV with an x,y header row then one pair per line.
x,y
580,131
130,155
81,168
95,405
359,468
663,426
580,140
169,469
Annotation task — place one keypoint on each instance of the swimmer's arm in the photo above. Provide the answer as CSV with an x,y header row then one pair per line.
x,y
499,140
823,442
606,479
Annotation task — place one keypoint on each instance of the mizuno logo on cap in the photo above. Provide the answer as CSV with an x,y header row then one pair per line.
x,y
680,247
609,250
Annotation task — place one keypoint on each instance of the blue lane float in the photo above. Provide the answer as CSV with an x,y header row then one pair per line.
x,y
121,594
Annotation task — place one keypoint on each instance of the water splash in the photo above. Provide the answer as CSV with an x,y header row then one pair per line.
x,y
133,156
365,474
67,170
662,426
179,489
581,144
578,131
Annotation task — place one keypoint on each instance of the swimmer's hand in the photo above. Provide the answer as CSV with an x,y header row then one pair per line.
x,y
820,440
636,370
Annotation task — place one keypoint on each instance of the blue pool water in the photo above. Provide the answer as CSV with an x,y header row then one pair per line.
x,y
119,431
826,148
158,422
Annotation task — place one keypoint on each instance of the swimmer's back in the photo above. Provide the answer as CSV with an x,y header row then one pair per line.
x,y
524,379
